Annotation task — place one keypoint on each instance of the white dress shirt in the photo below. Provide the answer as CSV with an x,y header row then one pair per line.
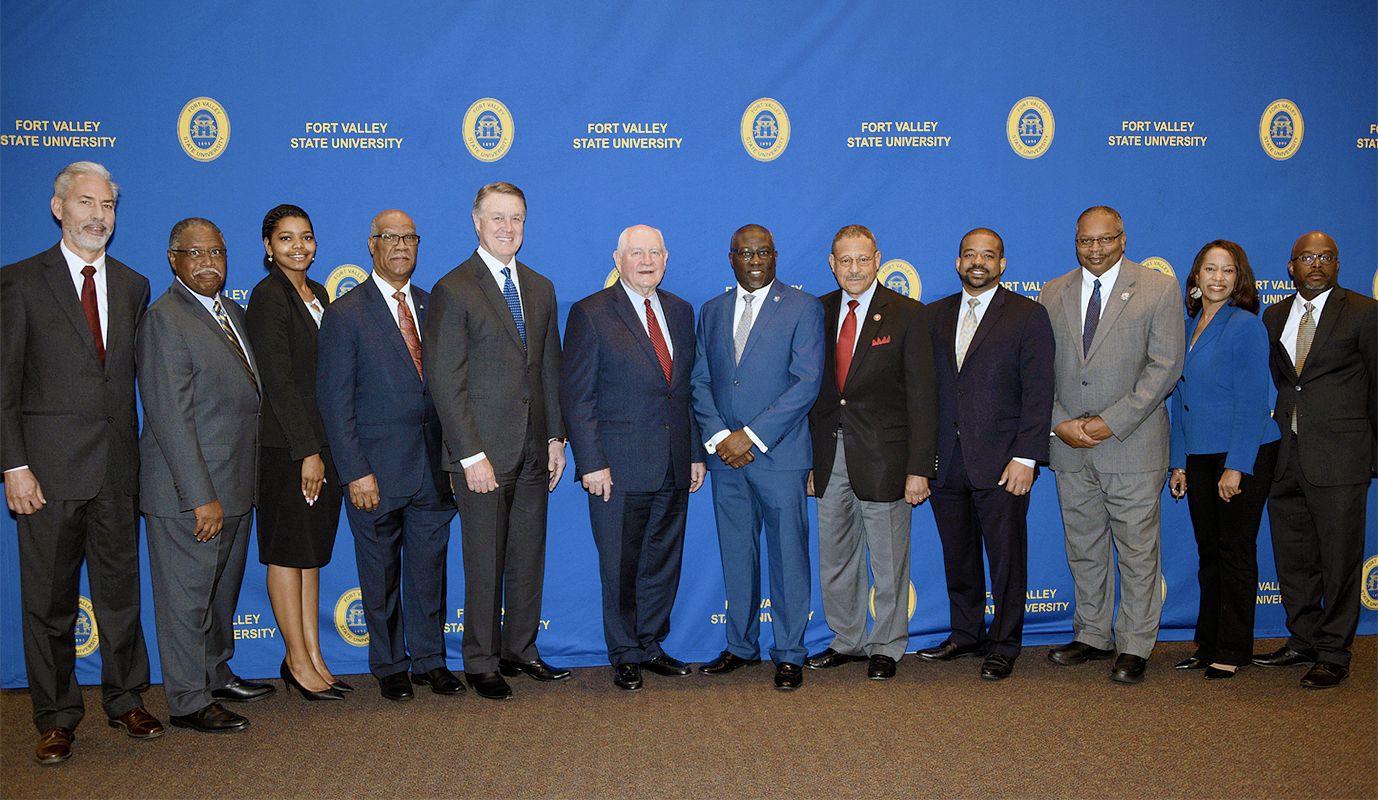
x,y
1288,338
74,265
759,297
863,304
1107,284
386,289
496,267
639,303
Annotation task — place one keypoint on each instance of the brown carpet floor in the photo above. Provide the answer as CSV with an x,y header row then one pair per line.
x,y
936,730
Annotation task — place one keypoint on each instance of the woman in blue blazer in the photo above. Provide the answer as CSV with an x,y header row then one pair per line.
x,y
1224,445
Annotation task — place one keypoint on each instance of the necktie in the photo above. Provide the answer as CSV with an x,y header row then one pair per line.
x,y
658,341
846,344
743,327
92,309
408,326
1092,318
967,331
234,341
1306,332
514,303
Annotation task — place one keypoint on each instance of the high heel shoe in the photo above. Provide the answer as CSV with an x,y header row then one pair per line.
x,y
340,686
328,694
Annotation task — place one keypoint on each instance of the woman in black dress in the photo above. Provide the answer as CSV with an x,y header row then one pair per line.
x,y
299,494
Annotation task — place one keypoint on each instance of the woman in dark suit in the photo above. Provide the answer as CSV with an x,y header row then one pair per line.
x,y
1224,445
299,502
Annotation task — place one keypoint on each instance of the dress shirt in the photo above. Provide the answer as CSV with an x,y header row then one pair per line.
x,y
863,304
386,289
760,294
983,303
639,303
317,313
496,267
1107,284
1288,338
74,265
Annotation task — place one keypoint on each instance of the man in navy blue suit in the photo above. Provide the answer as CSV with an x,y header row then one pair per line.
x,y
757,372
382,427
993,357
624,391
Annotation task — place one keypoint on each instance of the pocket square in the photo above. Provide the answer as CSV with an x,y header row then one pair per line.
x,y
880,340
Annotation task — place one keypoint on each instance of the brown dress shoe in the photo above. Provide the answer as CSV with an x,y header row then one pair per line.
x,y
54,746
138,723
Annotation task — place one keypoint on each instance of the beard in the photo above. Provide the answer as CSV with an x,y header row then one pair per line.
x,y
89,240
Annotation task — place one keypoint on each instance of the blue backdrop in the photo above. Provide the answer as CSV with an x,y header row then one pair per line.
x,y
1244,120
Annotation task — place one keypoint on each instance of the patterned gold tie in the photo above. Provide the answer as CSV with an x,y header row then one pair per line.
x,y
968,330
1306,332
234,341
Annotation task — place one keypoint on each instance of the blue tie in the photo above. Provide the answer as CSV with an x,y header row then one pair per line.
x,y
1092,319
514,303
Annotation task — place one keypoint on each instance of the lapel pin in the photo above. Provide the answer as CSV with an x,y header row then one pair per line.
x,y
876,318
776,298
1124,295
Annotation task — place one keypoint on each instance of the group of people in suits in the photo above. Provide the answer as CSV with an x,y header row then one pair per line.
x,y
407,406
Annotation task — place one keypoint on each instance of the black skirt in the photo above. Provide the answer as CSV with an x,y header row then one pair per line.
x,y
290,532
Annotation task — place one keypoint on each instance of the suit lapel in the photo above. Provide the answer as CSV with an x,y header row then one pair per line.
x,y
988,321
1071,313
1119,296
866,330
681,337
493,294
1211,333
119,292
1275,345
377,309
769,303
1334,307
66,298
622,306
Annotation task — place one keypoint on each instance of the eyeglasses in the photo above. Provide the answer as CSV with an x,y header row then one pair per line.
x,y
746,253
1308,259
196,252
636,253
1103,241
392,239
846,262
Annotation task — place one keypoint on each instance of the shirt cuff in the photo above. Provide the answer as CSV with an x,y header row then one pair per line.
x,y
16,469
472,460
759,444
1028,462
712,444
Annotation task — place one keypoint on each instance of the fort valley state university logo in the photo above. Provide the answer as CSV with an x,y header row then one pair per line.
x,y
349,618
343,278
85,632
1368,588
203,128
900,277
1280,129
488,129
1029,127
1158,264
765,129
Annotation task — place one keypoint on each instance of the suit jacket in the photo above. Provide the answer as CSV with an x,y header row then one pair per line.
x,y
488,388
1224,399
200,437
1002,398
1134,362
62,412
1335,397
776,383
889,414
284,338
378,415
619,411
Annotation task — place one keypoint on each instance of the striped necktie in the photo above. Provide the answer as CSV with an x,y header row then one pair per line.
x,y
238,348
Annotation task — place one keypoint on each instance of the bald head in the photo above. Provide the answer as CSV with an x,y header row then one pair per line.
x,y
1315,264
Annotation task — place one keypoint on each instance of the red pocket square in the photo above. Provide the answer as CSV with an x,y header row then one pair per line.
x,y
880,340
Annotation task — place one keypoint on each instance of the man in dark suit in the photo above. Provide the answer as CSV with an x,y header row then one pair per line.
x,y
1325,364
375,402
757,369
68,432
994,360
198,382
624,389
495,371
873,435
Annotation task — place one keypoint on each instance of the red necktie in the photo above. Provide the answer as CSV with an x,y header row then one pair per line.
x,y
846,343
658,340
92,309
408,326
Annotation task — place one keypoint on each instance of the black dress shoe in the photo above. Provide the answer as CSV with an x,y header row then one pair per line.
x,y
949,650
996,667
1214,673
440,679
214,718
627,677
1075,652
788,677
537,669
489,685
725,663
667,666
396,686
831,658
1324,675
1283,657
340,686
1191,662
1128,669
291,681
880,668
242,691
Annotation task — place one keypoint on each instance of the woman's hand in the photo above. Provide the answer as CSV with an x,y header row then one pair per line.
x,y
1177,484
312,476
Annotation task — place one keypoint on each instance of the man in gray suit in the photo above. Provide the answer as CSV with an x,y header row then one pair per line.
x,y
199,387
494,368
1120,347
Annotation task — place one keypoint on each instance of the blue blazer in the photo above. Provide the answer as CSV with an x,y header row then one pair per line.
x,y
776,383
378,415
1224,399
620,414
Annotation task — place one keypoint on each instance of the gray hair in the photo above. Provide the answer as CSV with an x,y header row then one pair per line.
x,y
622,237
62,184
174,239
